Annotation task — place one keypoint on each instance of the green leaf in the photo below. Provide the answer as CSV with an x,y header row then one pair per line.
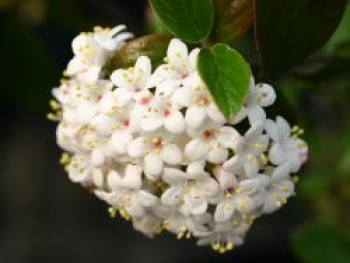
x,y
342,34
189,20
320,242
233,19
154,46
288,31
227,76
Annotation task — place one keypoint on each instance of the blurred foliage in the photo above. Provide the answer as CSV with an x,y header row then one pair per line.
x,y
319,91
288,31
25,67
319,242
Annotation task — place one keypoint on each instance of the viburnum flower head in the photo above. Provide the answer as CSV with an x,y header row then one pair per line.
x,y
154,146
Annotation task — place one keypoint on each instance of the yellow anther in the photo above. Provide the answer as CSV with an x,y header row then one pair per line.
x,y
55,105
112,212
215,246
222,250
284,188
229,246
295,179
295,128
180,235
235,223
65,159
52,117
228,206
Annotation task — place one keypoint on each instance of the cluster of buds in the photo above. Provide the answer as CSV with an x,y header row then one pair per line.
x,y
154,146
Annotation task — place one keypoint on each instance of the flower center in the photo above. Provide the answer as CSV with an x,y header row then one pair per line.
x,y
145,100
126,122
203,100
167,113
158,143
208,134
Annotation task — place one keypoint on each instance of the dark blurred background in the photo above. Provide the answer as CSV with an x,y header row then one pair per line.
x,y
46,218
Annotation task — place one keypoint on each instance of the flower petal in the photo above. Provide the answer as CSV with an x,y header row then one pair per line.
x,y
182,97
197,206
147,199
85,112
172,196
142,70
224,211
153,166
276,154
136,147
217,155
233,164
173,176
166,88
195,150
229,137
97,157
172,154
114,180
132,177
120,78
177,53
215,114
256,115
267,95
195,116
121,140
122,96
284,127
151,123
175,122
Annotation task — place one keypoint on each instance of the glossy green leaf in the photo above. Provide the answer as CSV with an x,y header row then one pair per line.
x,y
154,46
322,243
189,20
288,31
227,76
233,19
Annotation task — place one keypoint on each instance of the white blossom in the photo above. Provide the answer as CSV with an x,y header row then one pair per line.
x,y
154,146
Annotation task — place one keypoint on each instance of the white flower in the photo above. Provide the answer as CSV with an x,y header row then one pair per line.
x,y
125,192
160,113
133,80
211,142
191,193
149,224
156,148
285,148
260,96
244,196
80,169
224,236
91,51
187,225
196,98
248,151
177,70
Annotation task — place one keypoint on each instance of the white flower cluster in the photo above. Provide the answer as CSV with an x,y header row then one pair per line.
x,y
155,147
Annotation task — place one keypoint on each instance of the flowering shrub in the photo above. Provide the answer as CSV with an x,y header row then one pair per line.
x,y
158,146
